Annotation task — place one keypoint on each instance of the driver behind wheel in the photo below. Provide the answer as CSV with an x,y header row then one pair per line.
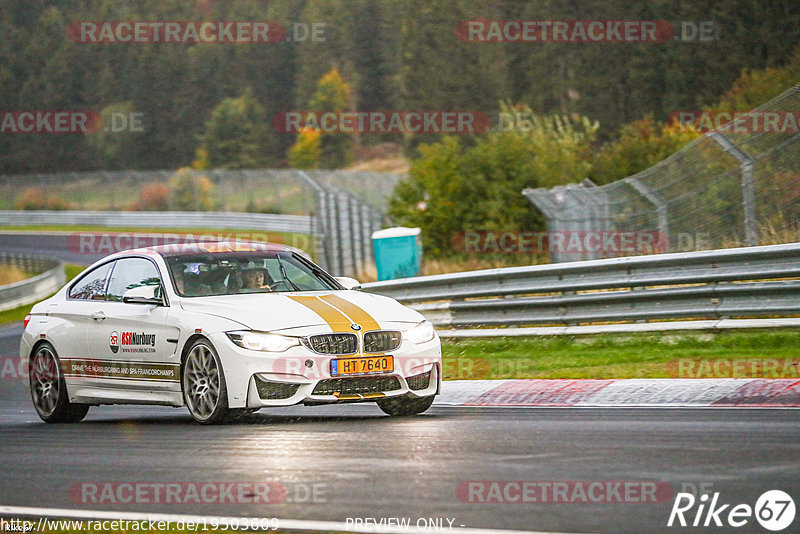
x,y
254,279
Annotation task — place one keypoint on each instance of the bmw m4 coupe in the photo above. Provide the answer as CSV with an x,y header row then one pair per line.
x,y
224,329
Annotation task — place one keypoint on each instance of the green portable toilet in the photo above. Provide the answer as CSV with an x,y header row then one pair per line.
x,y
398,252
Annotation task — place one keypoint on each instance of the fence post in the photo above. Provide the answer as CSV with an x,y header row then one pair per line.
x,y
657,201
748,188
322,230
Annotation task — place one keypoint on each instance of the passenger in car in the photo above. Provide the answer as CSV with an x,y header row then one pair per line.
x,y
187,284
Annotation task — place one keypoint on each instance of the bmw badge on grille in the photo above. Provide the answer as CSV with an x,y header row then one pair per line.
x,y
355,327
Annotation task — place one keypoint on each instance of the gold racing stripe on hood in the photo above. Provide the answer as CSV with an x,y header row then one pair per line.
x,y
356,313
338,321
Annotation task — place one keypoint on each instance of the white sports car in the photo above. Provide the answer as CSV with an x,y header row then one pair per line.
x,y
224,329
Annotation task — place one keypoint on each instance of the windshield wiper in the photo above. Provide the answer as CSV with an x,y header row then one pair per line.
x,y
283,273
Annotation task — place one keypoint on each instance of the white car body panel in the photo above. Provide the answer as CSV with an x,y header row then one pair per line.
x,y
146,370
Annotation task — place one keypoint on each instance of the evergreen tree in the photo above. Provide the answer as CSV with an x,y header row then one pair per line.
x,y
236,135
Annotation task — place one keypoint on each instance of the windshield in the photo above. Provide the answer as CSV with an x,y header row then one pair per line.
x,y
197,275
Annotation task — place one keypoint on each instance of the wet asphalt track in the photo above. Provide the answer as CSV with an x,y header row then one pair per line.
x,y
365,464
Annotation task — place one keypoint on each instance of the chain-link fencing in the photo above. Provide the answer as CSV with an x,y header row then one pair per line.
x,y
738,184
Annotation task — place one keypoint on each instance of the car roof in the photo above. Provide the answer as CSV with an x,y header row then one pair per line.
x,y
208,247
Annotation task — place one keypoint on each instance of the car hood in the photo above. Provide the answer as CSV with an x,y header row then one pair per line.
x,y
331,311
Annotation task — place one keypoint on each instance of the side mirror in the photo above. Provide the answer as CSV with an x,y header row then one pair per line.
x,y
143,295
349,283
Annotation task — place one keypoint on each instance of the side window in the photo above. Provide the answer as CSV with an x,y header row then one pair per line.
x,y
92,285
130,273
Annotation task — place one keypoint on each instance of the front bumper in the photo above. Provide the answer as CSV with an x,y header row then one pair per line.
x,y
301,376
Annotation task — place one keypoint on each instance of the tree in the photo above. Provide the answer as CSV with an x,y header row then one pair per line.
x,y
113,144
236,135
305,152
190,192
333,94
453,188
640,145
753,88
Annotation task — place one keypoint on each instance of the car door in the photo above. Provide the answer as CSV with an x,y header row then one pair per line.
x,y
68,323
134,341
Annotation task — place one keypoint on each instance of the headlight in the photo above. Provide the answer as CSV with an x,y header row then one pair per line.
x,y
262,341
421,333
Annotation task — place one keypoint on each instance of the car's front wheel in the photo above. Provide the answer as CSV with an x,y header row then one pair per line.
x,y
48,389
204,389
403,406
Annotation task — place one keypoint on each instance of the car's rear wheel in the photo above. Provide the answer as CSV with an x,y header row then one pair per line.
x,y
404,406
204,389
48,389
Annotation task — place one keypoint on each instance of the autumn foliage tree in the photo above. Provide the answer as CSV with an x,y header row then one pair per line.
x,y
306,151
333,94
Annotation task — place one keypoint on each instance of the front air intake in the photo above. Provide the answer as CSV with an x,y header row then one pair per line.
x,y
339,344
383,341
420,381
275,390
356,386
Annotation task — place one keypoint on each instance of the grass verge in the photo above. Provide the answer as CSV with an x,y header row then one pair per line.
x,y
722,354
17,314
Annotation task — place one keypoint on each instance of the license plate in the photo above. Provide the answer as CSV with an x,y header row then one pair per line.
x,y
359,366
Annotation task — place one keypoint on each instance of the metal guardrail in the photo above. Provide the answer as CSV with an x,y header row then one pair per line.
x,y
715,284
340,209
50,278
301,224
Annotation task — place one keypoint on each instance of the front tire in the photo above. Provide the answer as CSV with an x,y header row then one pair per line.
x,y
49,390
204,389
405,406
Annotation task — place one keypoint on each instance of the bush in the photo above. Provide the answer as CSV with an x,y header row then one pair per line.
x,y
34,198
640,145
190,192
269,207
154,197
452,188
